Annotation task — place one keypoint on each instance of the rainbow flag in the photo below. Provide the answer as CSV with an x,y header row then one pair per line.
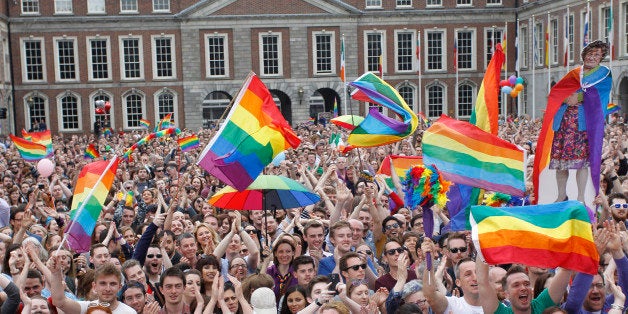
x,y
378,129
145,123
188,143
129,199
400,164
465,154
30,151
486,111
547,236
43,138
424,119
164,123
253,133
612,108
91,190
91,152
335,108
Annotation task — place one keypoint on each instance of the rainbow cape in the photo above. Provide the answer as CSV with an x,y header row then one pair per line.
x,y
378,129
91,190
596,86
188,143
465,154
486,111
91,152
548,236
30,151
253,133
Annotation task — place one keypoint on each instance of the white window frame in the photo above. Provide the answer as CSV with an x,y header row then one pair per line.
x,y
279,53
125,118
582,22
90,71
572,37
77,75
413,34
161,10
373,4
92,113
445,51
403,6
474,48
554,34
23,41
173,50
60,114
415,93
498,40
126,11
623,29
382,34
58,8
523,46
464,5
332,49
427,98
121,56
474,92
27,113
175,106
429,4
539,45
96,7
37,2
495,4
227,61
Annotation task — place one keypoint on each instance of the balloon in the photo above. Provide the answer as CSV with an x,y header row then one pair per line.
x,y
512,80
519,80
100,103
514,93
107,106
519,87
100,111
503,83
45,167
506,89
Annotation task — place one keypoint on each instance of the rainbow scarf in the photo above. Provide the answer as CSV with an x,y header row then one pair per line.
x,y
465,154
253,133
91,152
30,151
596,86
378,129
188,143
486,111
95,178
547,236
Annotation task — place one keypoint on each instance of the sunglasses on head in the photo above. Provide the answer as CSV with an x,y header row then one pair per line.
x,y
356,267
367,252
154,255
620,205
398,250
458,249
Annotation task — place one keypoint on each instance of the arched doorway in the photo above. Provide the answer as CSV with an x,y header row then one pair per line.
x,y
214,106
322,100
283,103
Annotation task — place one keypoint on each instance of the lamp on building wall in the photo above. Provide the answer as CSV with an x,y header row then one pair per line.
x,y
300,92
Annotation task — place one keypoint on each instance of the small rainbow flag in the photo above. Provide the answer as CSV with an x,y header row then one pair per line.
x,y
129,199
424,119
547,236
107,132
612,108
91,152
30,151
91,190
145,123
335,108
188,143
165,122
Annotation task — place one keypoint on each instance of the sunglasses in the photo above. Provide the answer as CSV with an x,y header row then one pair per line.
x,y
621,205
398,250
356,267
393,226
154,255
458,249
251,231
367,252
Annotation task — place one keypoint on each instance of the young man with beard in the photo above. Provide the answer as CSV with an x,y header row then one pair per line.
x,y
618,207
519,292
153,265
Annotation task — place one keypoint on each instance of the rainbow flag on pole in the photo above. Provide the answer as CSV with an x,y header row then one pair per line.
x,y
465,154
30,151
486,111
547,236
91,152
91,190
188,143
253,133
145,123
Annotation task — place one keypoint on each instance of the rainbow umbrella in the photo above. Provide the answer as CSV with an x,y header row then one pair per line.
x,y
347,121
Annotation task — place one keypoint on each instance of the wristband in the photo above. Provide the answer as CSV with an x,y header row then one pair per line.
x,y
119,238
617,307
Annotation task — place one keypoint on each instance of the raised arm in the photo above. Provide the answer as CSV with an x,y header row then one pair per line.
x,y
437,300
488,295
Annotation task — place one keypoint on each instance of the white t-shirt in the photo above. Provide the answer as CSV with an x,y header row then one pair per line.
x,y
120,309
458,305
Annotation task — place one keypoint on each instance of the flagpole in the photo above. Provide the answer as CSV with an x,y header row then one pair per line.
x,y
567,39
456,67
611,30
533,68
344,73
517,66
418,56
79,211
549,55
504,45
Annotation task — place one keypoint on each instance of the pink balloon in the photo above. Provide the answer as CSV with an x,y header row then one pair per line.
x,y
45,167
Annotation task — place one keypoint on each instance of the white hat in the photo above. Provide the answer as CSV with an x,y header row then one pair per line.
x,y
263,301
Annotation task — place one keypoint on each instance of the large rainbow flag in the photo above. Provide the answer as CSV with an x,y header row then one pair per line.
x,y
29,150
398,164
378,129
596,86
91,190
253,133
43,138
486,111
548,236
465,154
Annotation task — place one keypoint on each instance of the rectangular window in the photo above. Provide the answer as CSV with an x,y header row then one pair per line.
x,y
163,56
66,59
131,54
134,110
99,59
434,3
465,100
63,6
70,119
96,6
606,26
493,2
465,50
539,44
523,47
373,4
493,37
270,54
404,3
324,51
435,50
161,5
33,60
30,6
217,55
374,44
570,29
554,41
404,48
128,6
582,24
435,97
625,32
464,3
